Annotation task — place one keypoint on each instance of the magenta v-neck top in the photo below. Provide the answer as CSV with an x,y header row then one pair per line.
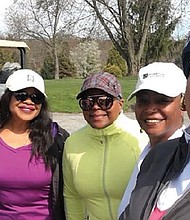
x,y
24,185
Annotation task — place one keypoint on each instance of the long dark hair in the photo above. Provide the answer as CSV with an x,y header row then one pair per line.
x,y
40,127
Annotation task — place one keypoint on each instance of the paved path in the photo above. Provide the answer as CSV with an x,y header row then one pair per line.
x,y
72,122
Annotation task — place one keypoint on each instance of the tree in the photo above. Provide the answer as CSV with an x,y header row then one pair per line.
x,y
44,20
134,25
66,67
86,58
47,68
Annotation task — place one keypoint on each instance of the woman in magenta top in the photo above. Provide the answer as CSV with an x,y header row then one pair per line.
x,y
30,181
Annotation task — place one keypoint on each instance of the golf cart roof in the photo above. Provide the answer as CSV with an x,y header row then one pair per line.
x,y
20,45
13,44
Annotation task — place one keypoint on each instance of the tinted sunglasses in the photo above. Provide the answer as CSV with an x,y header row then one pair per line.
x,y
103,101
37,98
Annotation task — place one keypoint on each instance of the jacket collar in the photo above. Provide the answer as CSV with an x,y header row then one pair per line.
x,y
115,128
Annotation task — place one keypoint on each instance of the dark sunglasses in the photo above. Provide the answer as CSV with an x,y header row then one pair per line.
x,y
103,101
37,98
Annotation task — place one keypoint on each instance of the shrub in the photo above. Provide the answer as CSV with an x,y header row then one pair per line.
x,y
115,59
115,70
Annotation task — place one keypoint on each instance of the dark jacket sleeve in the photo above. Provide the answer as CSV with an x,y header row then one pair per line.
x,y
57,180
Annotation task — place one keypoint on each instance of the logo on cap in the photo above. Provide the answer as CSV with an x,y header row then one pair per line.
x,y
30,78
146,75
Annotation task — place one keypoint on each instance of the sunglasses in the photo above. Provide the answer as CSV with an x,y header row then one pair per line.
x,y
103,101
37,98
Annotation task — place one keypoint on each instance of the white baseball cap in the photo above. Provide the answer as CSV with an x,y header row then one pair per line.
x,y
25,78
163,78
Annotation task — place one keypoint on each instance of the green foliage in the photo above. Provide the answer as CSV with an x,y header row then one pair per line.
x,y
62,93
115,60
115,70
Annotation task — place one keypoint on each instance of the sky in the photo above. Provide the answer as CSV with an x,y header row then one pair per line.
x,y
4,5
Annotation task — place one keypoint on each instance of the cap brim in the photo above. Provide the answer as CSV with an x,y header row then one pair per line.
x,y
133,94
159,90
15,88
80,95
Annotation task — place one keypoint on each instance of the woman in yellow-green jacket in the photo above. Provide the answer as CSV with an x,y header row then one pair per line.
x,y
98,158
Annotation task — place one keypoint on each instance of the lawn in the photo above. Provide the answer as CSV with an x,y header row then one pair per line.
x,y
62,93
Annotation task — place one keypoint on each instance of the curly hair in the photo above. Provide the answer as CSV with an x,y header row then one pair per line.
x,y
40,128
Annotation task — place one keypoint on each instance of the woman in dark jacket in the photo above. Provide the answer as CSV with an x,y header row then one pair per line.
x,y
162,190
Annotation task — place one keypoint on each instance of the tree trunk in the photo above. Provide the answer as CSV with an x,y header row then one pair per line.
x,y
132,67
56,61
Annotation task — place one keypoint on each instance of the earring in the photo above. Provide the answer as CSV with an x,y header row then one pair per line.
x,y
182,104
141,130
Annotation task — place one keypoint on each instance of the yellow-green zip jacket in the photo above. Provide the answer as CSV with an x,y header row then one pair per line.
x,y
97,166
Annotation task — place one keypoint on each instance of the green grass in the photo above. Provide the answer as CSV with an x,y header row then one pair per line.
x,y
62,93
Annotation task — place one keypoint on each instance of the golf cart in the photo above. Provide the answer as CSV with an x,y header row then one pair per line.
x,y
8,67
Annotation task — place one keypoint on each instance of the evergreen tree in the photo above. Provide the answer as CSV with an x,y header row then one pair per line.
x,y
116,60
66,66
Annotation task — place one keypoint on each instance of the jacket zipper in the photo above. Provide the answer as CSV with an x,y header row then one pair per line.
x,y
104,180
